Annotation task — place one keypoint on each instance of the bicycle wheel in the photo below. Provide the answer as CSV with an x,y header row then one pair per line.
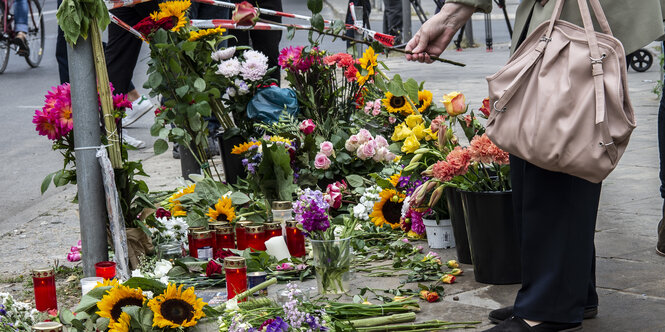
x,y
4,42
35,34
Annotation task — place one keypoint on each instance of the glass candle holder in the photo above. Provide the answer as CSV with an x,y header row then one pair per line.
x,y
273,229
43,280
224,237
47,327
211,226
236,276
256,278
241,239
281,211
255,235
202,244
295,239
87,284
105,270
169,251
190,231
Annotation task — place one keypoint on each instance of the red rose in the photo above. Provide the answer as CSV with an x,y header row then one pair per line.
x,y
222,253
213,268
245,14
162,213
485,109
167,23
146,26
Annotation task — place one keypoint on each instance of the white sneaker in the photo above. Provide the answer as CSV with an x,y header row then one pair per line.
x,y
140,107
138,144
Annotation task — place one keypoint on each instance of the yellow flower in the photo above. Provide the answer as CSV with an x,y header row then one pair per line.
x,y
394,104
419,131
414,235
429,134
452,264
177,210
395,179
176,308
413,120
411,144
448,279
424,100
122,324
196,35
182,192
367,62
280,139
110,306
389,209
401,132
175,9
242,148
223,211
107,282
455,103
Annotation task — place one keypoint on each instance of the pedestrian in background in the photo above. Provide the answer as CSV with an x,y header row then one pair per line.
x,y
392,19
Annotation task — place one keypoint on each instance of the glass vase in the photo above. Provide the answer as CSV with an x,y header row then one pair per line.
x,y
332,262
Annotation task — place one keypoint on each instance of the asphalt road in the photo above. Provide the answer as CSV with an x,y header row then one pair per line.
x,y
27,157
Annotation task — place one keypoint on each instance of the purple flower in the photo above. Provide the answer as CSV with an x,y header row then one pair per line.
x,y
277,325
314,323
403,181
311,211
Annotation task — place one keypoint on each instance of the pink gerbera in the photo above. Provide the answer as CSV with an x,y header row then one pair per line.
x,y
45,125
62,114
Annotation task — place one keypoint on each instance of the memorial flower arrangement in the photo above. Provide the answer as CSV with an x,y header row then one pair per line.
x,y
16,315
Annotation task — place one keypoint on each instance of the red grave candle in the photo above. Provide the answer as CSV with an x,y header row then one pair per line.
x,y
273,229
255,235
211,226
202,244
224,237
43,280
241,238
191,230
236,276
105,269
295,239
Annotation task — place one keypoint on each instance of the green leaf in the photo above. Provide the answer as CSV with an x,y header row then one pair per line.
x,y
145,284
47,182
156,128
380,83
239,198
199,84
317,22
194,121
181,91
160,146
102,323
66,316
396,87
315,6
411,88
355,180
291,32
155,79
188,46
174,66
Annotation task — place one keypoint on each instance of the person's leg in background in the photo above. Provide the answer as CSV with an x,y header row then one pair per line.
x,y
392,19
21,26
61,54
367,10
660,246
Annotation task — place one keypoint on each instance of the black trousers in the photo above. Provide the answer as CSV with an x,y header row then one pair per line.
x,y
266,42
661,140
123,48
392,19
556,217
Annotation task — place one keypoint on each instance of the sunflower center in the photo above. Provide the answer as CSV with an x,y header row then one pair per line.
x,y
392,211
397,102
177,311
117,307
222,217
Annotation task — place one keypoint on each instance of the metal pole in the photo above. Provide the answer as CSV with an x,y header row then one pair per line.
x,y
85,112
406,20
359,47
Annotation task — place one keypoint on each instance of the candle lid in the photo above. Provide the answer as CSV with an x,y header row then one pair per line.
x,y
282,205
291,223
213,224
273,225
234,262
244,223
43,272
255,229
257,274
223,229
47,327
201,234
195,228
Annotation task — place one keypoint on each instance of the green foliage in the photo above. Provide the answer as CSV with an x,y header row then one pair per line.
x,y
75,17
275,174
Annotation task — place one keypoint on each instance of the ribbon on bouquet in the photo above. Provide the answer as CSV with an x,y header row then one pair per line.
x,y
229,24
385,39
264,11
113,4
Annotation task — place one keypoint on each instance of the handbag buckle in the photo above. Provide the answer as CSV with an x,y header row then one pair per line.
x,y
545,39
599,60
503,109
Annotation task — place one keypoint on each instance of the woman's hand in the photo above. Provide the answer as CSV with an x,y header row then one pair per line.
x,y
435,34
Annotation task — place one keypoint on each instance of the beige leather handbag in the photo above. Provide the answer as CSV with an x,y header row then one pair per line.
x,y
561,102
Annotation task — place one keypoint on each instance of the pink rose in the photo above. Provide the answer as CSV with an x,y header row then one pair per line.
x,y
75,249
366,150
284,267
438,123
352,143
321,161
307,126
377,104
74,256
381,142
391,120
376,112
334,195
326,148
364,136
382,155
245,14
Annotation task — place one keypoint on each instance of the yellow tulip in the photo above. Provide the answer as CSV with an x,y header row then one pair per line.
x,y
401,132
455,103
419,131
413,120
411,144
429,134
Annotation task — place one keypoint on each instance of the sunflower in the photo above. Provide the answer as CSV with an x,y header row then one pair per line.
x,y
196,35
175,9
242,148
394,104
223,211
175,308
177,210
122,324
110,306
389,209
173,199
367,62
424,100
108,282
394,180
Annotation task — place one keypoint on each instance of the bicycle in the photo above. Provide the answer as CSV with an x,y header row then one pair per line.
x,y
35,34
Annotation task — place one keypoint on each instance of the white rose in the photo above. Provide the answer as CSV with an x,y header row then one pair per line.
x,y
162,268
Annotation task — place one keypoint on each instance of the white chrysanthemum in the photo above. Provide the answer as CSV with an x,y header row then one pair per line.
x,y
405,206
253,69
255,55
360,212
229,68
224,54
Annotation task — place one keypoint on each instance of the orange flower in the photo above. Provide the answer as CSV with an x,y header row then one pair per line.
x,y
485,109
448,279
483,150
429,296
455,103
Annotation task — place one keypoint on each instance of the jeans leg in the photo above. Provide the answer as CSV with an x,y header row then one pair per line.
x,y
21,15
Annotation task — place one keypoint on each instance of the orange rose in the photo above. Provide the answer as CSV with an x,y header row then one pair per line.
x,y
245,14
455,103
448,279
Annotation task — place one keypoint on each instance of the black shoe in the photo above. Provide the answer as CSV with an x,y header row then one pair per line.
x,y
516,324
660,247
22,43
499,315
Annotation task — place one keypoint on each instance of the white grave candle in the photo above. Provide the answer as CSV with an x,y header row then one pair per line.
x,y
276,247
87,284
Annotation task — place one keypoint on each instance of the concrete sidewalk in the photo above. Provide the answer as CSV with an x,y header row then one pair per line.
x,y
630,275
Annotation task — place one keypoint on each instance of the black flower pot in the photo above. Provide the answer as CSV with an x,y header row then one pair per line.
x,y
454,199
493,236
232,163
188,163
